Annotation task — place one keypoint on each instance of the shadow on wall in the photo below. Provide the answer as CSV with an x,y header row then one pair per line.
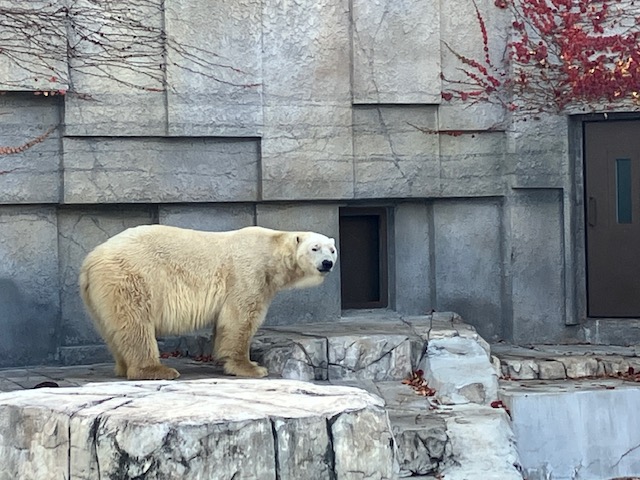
x,y
21,342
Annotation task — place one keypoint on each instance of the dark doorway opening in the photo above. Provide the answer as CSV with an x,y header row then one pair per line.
x,y
363,258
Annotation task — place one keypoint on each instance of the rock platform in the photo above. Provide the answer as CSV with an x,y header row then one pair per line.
x,y
341,411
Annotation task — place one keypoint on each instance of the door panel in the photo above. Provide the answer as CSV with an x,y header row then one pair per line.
x,y
612,189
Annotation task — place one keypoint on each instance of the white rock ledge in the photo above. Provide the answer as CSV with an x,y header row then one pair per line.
x,y
199,429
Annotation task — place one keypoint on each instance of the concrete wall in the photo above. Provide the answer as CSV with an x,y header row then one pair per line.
x,y
288,112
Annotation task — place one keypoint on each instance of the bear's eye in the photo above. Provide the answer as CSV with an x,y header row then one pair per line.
x,y
333,251
315,249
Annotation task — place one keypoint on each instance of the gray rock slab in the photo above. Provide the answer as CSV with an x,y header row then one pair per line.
x,y
483,444
216,90
460,371
387,66
422,442
213,218
33,175
29,285
145,170
196,429
568,427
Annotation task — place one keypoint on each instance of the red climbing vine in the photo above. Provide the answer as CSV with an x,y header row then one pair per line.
x,y
562,53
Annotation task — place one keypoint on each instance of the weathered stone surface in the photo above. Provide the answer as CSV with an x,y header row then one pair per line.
x,y
79,232
307,137
422,443
393,156
579,367
291,355
195,429
521,369
29,286
31,176
481,441
133,170
387,66
460,371
216,91
551,370
472,164
467,239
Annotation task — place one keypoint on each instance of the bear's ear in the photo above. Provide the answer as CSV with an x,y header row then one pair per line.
x,y
333,241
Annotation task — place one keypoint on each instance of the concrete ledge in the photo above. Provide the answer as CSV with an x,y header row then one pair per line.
x,y
195,429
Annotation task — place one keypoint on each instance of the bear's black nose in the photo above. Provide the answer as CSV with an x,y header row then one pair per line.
x,y
327,265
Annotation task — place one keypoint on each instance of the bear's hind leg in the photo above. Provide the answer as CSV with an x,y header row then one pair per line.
x,y
138,353
233,340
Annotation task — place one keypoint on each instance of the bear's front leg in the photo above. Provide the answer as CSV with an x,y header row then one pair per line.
x,y
233,341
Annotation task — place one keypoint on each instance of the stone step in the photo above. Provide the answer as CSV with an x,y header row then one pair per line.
x,y
454,358
557,362
575,429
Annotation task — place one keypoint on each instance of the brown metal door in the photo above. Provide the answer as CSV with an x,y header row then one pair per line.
x,y
612,176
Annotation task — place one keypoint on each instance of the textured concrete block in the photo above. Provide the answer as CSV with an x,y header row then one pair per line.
x,y
314,304
393,156
102,170
33,175
387,65
216,90
29,286
307,138
214,218
468,252
79,231
413,279
537,259
472,164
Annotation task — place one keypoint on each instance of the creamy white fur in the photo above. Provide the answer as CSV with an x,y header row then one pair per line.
x,y
158,280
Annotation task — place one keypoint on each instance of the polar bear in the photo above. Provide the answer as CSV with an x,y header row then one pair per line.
x,y
154,280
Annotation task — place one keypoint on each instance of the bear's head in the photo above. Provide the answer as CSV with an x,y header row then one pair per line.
x,y
316,255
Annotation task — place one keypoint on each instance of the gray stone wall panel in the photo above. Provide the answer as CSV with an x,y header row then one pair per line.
x,y
216,88
213,218
472,164
29,286
33,175
537,263
468,258
412,259
141,170
393,153
396,51
307,139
